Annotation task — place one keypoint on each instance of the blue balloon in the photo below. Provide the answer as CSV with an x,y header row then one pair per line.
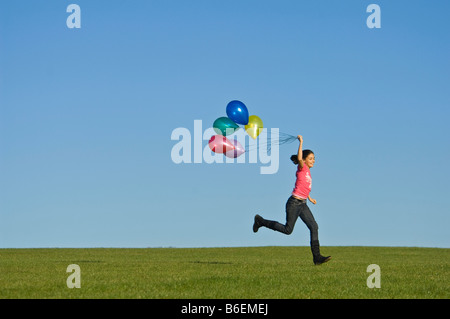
x,y
237,112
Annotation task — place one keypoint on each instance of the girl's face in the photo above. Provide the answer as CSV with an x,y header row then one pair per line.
x,y
309,160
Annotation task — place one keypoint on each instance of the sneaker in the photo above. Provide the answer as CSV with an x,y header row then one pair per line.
x,y
321,259
257,223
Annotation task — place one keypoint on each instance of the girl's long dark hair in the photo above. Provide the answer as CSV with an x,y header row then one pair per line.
x,y
305,154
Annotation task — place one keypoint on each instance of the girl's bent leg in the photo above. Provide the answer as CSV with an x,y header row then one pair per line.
x,y
292,212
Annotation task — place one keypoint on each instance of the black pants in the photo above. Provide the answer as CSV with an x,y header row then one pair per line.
x,y
295,208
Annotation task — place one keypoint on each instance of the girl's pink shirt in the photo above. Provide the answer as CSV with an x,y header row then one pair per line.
x,y
303,183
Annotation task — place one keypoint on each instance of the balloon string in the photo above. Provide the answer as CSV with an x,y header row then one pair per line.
x,y
283,138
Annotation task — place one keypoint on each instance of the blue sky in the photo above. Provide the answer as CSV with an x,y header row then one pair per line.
x,y
86,117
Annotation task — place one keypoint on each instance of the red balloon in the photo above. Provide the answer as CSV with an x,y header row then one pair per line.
x,y
220,144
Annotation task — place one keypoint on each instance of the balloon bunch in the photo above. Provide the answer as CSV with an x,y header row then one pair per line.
x,y
237,114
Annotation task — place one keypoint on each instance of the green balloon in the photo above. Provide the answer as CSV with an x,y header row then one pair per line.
x,y
224,126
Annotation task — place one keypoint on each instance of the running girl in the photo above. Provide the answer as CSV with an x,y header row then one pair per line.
x,y
296,205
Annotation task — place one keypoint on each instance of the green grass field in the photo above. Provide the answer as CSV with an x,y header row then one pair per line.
x,y
246,272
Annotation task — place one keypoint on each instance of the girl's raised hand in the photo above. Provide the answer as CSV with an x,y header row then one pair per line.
x,y
300,138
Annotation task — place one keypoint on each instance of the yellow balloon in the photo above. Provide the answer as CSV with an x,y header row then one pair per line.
x,y
254,126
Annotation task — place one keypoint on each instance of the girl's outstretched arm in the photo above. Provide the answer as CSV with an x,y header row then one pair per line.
x,y
300,151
